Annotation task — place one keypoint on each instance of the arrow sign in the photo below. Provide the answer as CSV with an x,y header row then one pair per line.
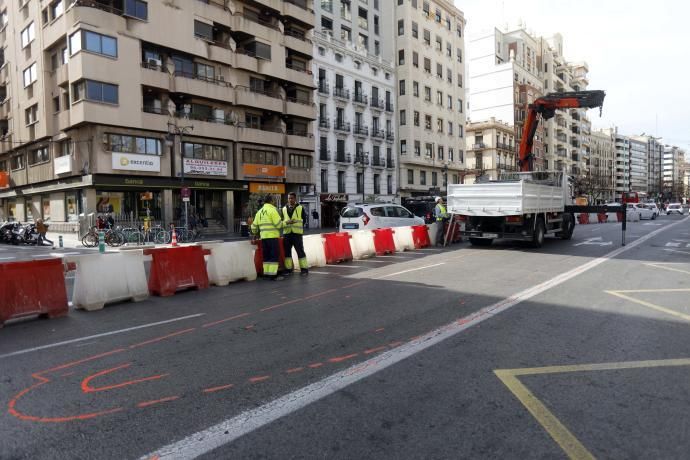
x,y
595,241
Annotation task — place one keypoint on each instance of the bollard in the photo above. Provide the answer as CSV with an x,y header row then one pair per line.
x,y
60,240
101,242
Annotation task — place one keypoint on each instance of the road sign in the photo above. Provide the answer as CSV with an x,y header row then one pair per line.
x,y
186,192
185,199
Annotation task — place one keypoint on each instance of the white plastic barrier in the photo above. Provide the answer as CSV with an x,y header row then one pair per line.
x,y
106,278
432,232
362,244
230,262
314,250
403,239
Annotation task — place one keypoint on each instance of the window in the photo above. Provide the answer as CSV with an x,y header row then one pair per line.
x,y
28,35
401,27
439,125
450,129
30,74
402,118
437,18
65,148
427,94
428,150
461,156
449,101
439,98
324,180
447,23
402,87
31,115
56,104
341,181
415,59
422,177
449,76
38,156
206,72
440,153
459,30
416,118
425,9
401,57
377,184
415,89
460,105
17,162
459,80
56,9
136,144
439,70
300,161
449,49
434,178
377,49
410,176
427,37
345,34
417,148
427,65
137,9
261,50
439,44
362,19
93,42
450,153
459,53
427,122
415,30
460,131
403,147
389,184
259,157
95,91
360,186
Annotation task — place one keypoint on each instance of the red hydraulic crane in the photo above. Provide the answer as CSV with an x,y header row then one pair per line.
x,y
545,108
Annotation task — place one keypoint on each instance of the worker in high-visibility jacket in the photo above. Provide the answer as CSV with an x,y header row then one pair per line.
x,y
442,217
267,225
293,229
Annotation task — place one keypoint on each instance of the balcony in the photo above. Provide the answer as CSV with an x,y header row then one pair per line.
x,y
390,163
478,146
4,72
242,59
300,139
342,157
298,42
5,109
362,159
343,126
324,155
378,162
390,136
361,99
377,103
324,124
389,107
341,93
300,108
252,23
361,130
265,100
575,157
299,75
562,153
324,88
297,10
64,165
378,133
262,136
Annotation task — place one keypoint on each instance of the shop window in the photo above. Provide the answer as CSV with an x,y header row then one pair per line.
x,y
262,157
45,204
204,151
134,144
71,205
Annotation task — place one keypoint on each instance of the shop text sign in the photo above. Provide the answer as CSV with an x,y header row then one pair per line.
x,y
205,167
132,162
254,170
334,197
258,187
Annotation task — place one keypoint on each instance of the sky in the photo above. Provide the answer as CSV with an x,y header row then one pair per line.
x,y
636,52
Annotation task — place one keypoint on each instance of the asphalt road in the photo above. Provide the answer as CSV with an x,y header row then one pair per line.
x,y
580,348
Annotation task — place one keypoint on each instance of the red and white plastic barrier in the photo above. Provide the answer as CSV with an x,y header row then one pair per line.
x,y
229,262
362,244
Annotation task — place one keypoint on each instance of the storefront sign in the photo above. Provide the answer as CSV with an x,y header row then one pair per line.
x,y
4,179
258,187
111,180
252,170
205,167
63,164
342,197
132,162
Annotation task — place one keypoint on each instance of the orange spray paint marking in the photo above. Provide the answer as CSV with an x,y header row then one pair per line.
x,y
157,401
315,365
375,350
412,339
294,369
394,344
340,359
86,388
259,379
67,374
158,339
226,319
214,389
318,294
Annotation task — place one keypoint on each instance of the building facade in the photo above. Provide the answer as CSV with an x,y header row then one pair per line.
x,y
355,81
639,165
107,111
430,72
491,150
674,174
601,166
622,145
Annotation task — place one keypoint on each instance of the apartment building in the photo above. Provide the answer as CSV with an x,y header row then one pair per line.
x,y
622,146
655,155
430,71
491,150
674,168
115,106
355,79
601,166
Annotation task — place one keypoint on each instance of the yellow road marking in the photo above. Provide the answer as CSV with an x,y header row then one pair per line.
x,y
651,305
573,448
668,268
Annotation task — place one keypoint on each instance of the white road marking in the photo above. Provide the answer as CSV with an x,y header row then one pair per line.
x,y
105,334
371,261
396,257
229,430
319,273
679,252
7,258
673,245
596,241
407,271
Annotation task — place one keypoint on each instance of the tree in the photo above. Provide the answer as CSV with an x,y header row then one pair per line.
x,y
596,186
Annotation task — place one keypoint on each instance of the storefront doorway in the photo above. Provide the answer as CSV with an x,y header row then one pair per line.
x,y
331,205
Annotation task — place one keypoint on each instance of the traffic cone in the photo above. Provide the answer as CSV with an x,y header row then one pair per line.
x,y
174,238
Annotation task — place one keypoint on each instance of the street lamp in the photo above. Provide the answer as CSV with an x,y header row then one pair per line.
x,y
177,132
444,171
361,159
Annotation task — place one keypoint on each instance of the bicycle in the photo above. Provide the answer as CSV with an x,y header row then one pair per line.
x,y
91,238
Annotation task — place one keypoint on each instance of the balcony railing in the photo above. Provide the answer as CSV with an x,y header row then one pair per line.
x,y
153,65
378,161
299,35
361,99
297,68
390,136
299,100
299,132
156,110
341,93
377,103
362,159
324,155
300,3
478,146
390,163
378,133
340,125
201,117
342,157
324,123
258,19
99,6
263,92
361,130
220,81
389,107
324,88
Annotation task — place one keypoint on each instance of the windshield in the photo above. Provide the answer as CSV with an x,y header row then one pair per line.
x,y
351,211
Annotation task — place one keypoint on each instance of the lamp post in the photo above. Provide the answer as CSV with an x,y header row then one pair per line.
x,y
361,159
177,132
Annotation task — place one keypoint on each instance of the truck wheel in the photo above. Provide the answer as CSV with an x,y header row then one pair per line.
x,y
568,227
539,232
481,241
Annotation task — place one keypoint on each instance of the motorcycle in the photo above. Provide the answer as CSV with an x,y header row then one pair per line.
x,y
17,233
31,235
6,232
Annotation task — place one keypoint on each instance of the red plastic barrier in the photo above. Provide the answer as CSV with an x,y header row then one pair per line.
x,y
259,257
383,241
32,288
619,215
176,268
602,217
583,218
337,247
420,236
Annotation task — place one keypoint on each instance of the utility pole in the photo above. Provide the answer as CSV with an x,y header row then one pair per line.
x,y
177,132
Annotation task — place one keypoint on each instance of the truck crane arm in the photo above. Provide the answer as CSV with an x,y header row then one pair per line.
x,y
545,108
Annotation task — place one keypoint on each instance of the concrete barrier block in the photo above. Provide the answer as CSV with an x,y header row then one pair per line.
x,y
362,244
105,278
403,239
229,262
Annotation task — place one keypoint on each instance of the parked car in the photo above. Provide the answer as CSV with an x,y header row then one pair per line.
x,y
674,208
654,208
365,216
642,210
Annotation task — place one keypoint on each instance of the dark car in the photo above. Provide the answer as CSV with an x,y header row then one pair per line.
x,y
422,206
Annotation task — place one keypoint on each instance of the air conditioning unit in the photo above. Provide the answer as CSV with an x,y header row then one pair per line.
x,y
155,63
303,189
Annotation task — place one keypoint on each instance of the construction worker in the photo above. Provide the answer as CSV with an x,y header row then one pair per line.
x,y
267,225
293,229
442,217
